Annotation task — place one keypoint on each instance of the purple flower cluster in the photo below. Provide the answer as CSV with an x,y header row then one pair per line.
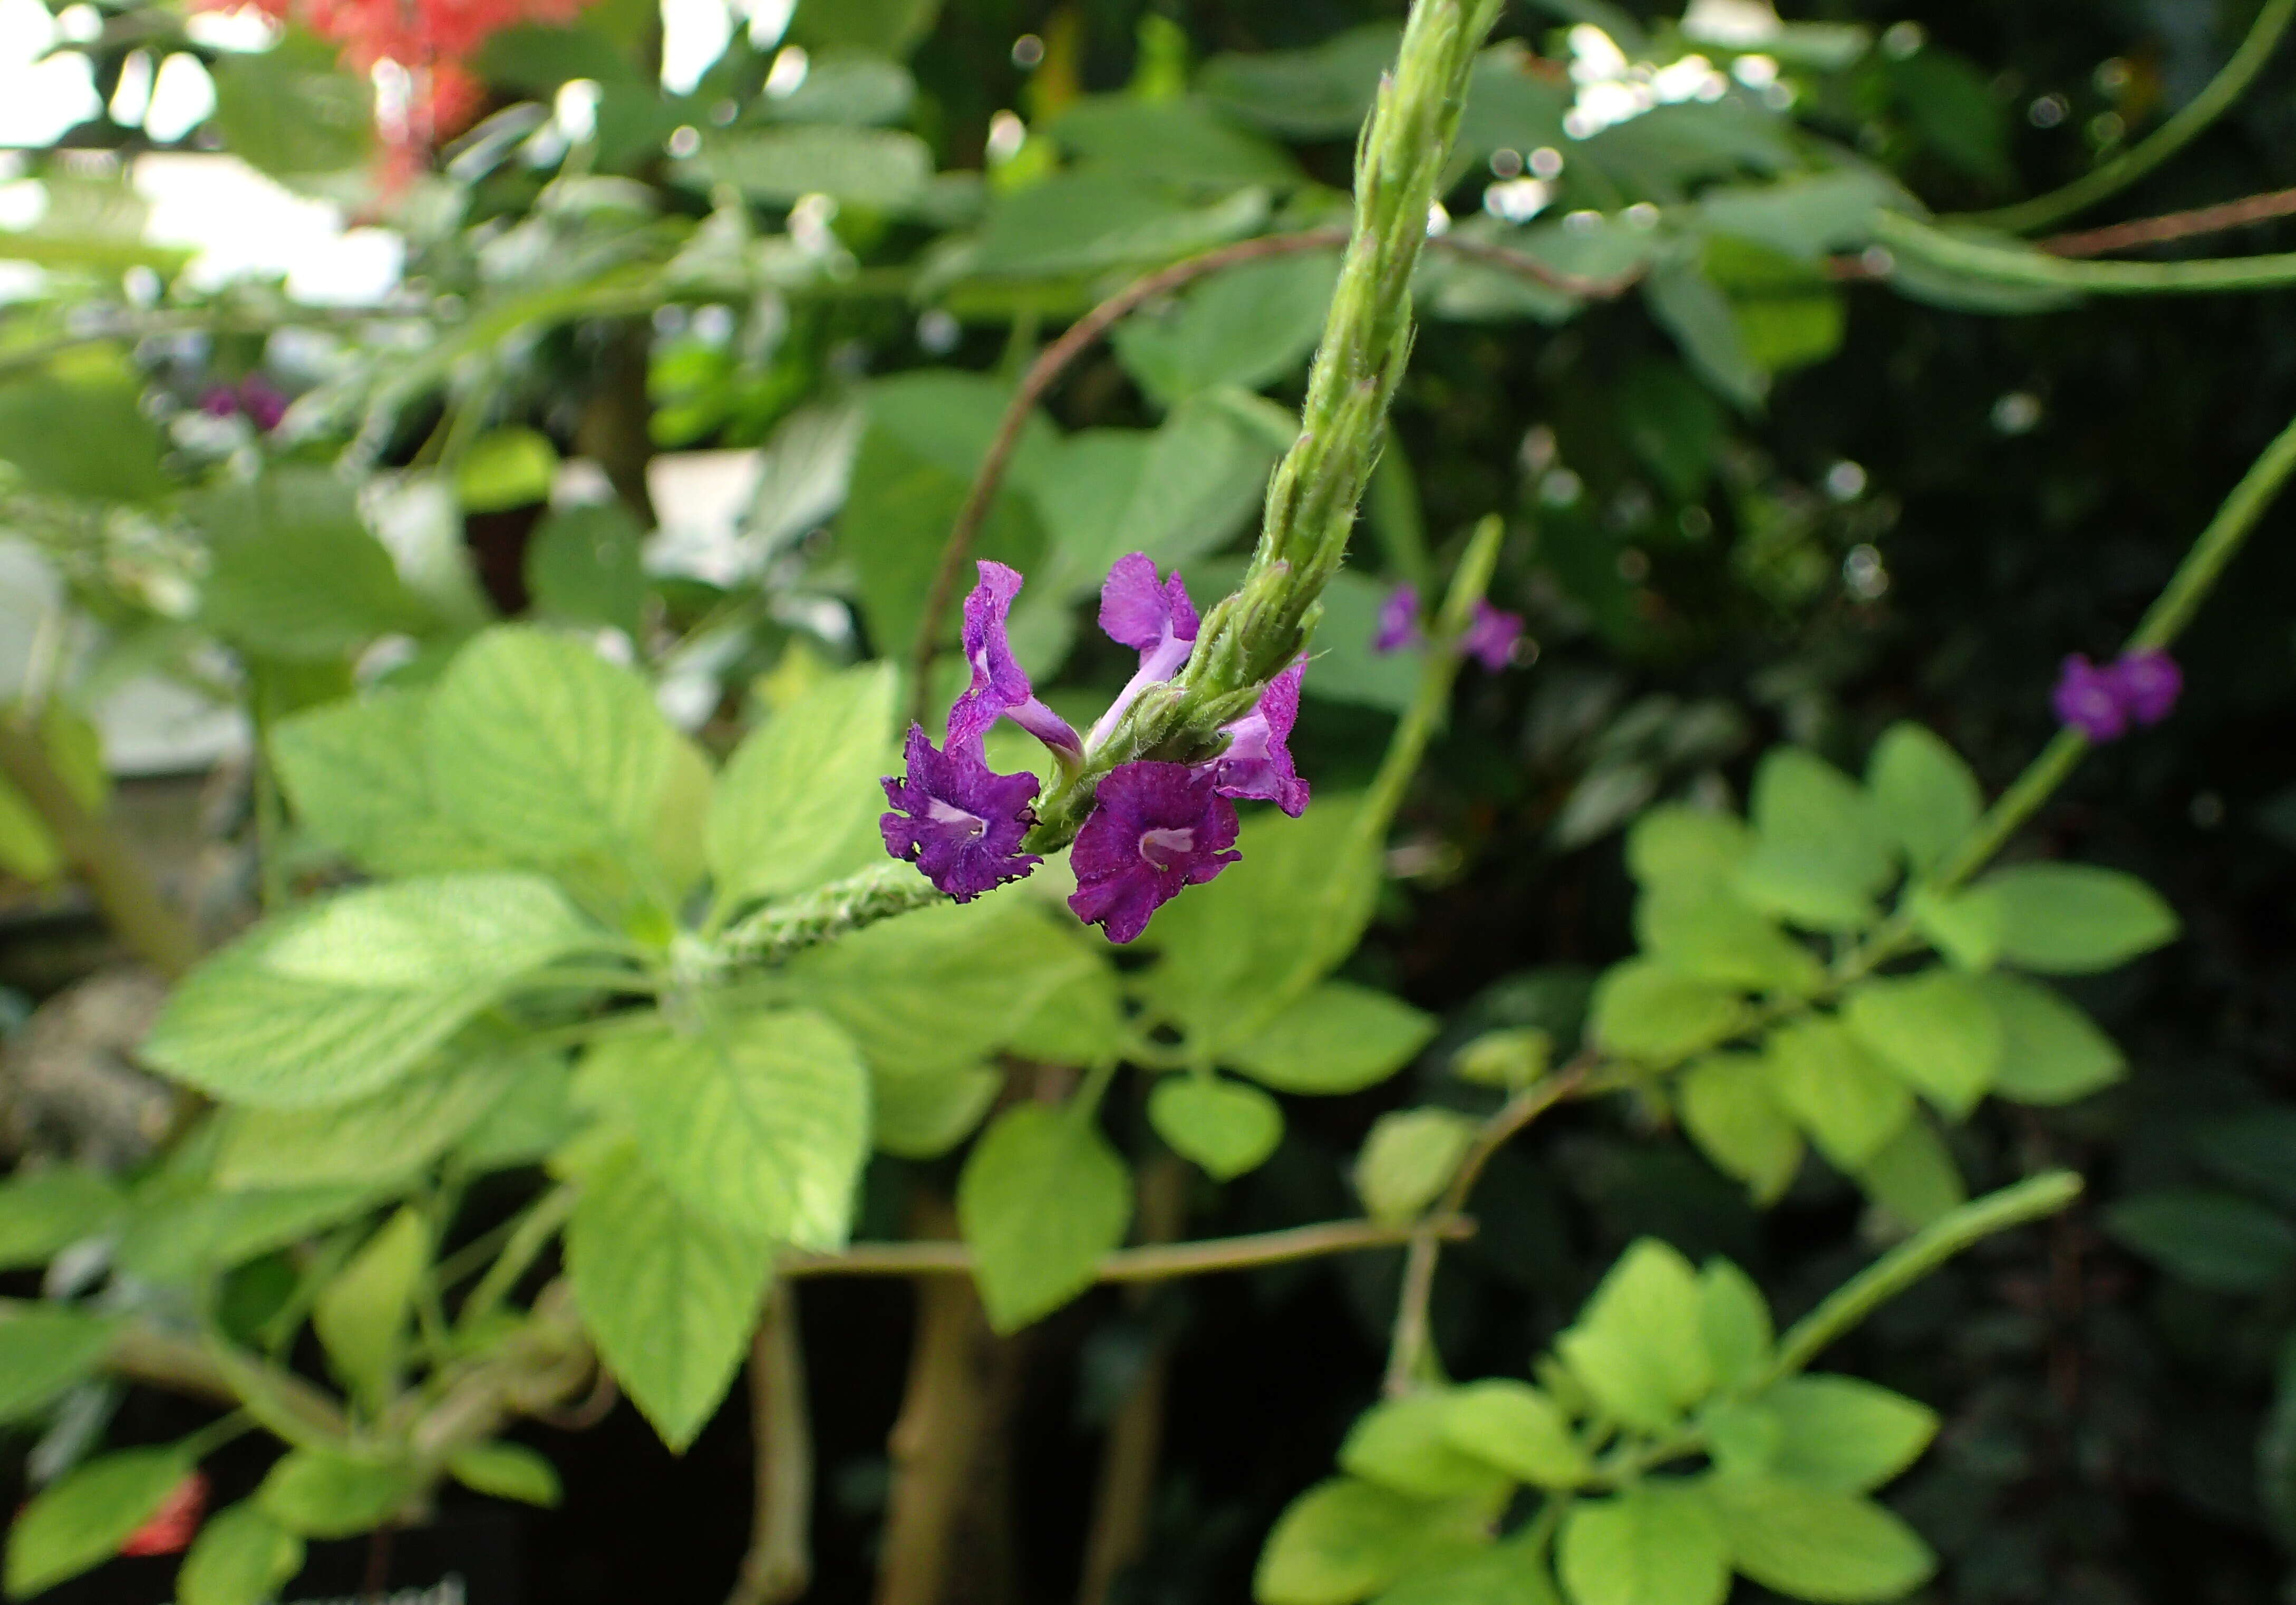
x,y
262,403
1490,640
1156,828
2139,688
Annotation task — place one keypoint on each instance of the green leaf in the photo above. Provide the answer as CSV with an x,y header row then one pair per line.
x,y
507,1471
315,1493
345,996
1407,1159
178,1230
1913,1176
1677,845
1042,1200
1248,328
42,1212
1344,1539
1638,1348
1647,1011
1844,1435
1729,1111
1844,1098
1800,217
1658,1544
759,1122
1818,857
583,566
1937,1030
354,773
1518,1428
361,1315
293,110
507,468
295,574
1924,798
45,1351
1173,493
1181,142
1966,926
1091,221
2254,1150
1224,1126
890,27
1501,1576
534,743
1734,1321
240,1557
669,1295
1707,932
534,1117
2215,1241
381,1138
2051,1053
799,791
922,1116
1339,1038
79,430
1691,306
2074,918
1405,1445
1322,92
1951,105
1811,1544
82,1521
884,170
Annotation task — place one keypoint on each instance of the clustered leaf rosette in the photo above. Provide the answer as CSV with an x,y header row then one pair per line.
x,y
1156,828
2102,701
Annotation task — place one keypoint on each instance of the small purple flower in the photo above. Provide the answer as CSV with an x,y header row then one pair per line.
x,y
265,404
2147,685
1257,763
1156,828
957,821
1398,620
2087,699
1000,686
1154,617
219,401
1491,638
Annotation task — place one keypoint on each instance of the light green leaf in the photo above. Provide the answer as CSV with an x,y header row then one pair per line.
x,y
1224,1126
293,111
1844,1098
1729,1109
2051,1053
1090,221
1913,1176
1043,1198
1647,1011
240,1557
345,996
1249,328
295,574
1344,1539
798,792
534,743
882,169
507,1471
1706,931
314,1493
1734,1320
1638,1346
1819,857
355,774
2217,1241
1809,1544
1518,1428
1937,1030
1742,1435
1173,493
1844,1436
1408,1159
1339,1038
374,1138
1966,926
1501,1576
507,468
532,1120
1405,1444
2074,918
669,1295
759,1122
583,566
42,1212
361,1315
1182,142
922,1116
76,428
82,1521
178,1230
1655,1545
1924,798
45,1351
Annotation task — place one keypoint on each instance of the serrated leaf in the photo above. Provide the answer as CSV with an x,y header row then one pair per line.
x,y
318,1494
45,1351
2051,1053
759,1122
2075,918
1338,1038
1517,1428
507,1471
1638,1348
1655,1545
1845,1435
1042,1200
669,1295
1344,1539
1224,1126
1937,1030
1924,798
354,773
240,1557
374,1138
81,1521
798,792
1810,1545
1845,1100
1729,1111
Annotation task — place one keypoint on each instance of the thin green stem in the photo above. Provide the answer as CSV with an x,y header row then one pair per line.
x,y
2043,211
2021,265
535,1228
1904,1265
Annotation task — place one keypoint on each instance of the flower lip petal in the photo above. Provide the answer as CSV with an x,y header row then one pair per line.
x,y
1138,610
957,821
1257,763
1155,830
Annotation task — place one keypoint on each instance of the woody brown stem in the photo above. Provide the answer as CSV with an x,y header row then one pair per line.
x,y
779,1566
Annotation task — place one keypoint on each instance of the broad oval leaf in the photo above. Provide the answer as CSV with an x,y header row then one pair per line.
x,y
1658,1544
2076,919
240,1557
1226,1127
82,1521
1835,1549
798,792
45,1351
1043,1198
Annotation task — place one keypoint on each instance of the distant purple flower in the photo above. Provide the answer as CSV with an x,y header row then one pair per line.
x,y
1155,619
1491,638
2087,699
957,821
1257,763
2148,684
1155,829
264,403
1398,620
1000,686
219,401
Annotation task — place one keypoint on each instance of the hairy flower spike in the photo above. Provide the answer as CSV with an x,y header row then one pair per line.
x,y
1158,828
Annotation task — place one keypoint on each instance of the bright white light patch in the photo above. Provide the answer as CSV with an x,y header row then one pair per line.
x,y
241,223
182,97
695,33
1737,24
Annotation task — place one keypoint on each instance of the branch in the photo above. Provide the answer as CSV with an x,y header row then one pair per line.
x,y
779,1566
2173,225
2020,265
1160,1264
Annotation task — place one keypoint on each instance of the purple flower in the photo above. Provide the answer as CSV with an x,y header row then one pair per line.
x,y
957,821
1257,763
2087,699
1155,829
1000,686
219,401
1398,620
1155,617
2147,685
1491,638
264,403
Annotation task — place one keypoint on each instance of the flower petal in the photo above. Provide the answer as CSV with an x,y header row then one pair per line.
x,y
1155,830
956,820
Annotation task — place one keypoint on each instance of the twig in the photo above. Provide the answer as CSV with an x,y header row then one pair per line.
x,y
2173,225
934,1258
779,1566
